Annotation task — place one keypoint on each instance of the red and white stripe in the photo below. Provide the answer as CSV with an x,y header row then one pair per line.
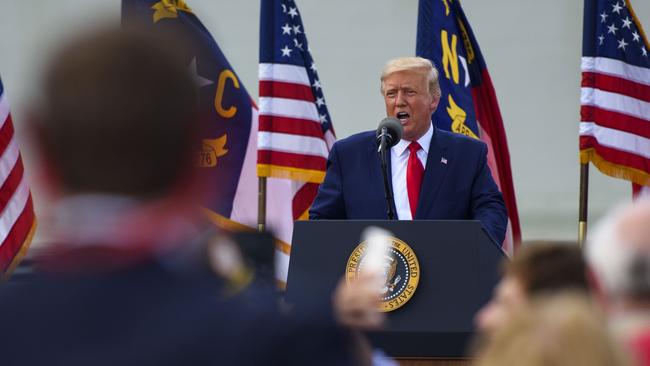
x,y
615,112
17,220
290,133
289,122
290,136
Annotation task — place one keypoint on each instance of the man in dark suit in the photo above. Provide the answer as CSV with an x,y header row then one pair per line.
x,y
125,282
434,174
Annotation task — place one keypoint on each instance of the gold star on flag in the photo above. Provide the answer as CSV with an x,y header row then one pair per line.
x,y
168,9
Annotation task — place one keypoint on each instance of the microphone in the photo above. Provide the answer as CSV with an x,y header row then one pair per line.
x,y
389,133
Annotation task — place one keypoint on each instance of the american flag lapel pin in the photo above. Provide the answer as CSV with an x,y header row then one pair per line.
x,y
443,161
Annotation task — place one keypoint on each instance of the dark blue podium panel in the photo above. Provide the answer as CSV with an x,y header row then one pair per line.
x,y
458,271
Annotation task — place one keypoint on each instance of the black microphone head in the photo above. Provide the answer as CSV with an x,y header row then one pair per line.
x,y
394,131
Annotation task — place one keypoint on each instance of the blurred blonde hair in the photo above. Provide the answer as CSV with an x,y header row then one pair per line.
x,y
561,330
416,64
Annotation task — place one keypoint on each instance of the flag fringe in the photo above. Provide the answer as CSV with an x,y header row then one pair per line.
x,y
224,222
304,216
230,225
281,285
282,172
283,246
614,170
21,253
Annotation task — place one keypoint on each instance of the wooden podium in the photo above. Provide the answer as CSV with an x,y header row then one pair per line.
x,y
458,269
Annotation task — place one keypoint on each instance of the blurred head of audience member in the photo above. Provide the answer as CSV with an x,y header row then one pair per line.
x,y
538,268
555,330
117,130
118,116
618,256
116,127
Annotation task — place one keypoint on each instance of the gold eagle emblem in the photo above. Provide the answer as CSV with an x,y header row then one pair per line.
x,y
399,276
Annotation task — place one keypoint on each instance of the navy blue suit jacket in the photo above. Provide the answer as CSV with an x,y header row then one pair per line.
x,y
461,189
153,312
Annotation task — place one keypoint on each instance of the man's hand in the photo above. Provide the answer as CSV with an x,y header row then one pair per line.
x,y
357,305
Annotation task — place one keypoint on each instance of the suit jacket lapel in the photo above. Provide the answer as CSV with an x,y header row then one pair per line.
x,y
434,174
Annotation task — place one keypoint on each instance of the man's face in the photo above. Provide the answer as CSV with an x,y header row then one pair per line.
x,y
407,98
509,296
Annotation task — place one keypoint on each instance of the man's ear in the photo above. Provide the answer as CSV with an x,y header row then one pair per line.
x,y
434,103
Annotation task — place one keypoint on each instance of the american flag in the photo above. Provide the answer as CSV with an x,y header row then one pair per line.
x,y
615,97
295,128
17,220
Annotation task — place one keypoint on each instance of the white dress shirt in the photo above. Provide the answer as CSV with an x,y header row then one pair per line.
x,y
399,157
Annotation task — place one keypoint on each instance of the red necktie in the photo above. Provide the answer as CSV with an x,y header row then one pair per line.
x,y
414,174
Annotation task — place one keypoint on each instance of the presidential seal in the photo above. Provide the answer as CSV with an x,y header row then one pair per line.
x,y
401,272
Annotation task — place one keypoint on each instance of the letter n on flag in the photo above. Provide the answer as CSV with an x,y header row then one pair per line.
x,y
295,129
17,219
468,104
615,94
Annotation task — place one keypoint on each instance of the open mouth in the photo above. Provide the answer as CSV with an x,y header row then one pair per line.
x,y
402,116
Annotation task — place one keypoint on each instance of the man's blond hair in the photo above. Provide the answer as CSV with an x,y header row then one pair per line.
x,y
417,64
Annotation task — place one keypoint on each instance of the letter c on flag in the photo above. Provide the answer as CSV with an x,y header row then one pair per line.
x,y
218,100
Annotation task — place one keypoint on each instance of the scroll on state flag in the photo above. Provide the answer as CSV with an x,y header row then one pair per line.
x,y
615,93
468,103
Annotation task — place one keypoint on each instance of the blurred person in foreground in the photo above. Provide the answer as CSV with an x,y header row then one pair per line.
x,y
556,330
538,269
125,282
618,256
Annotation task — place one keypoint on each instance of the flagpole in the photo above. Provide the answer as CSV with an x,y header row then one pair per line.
x,y
584,196
261,204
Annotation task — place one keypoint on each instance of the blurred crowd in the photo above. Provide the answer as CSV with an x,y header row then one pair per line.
x,y
559,304
134,276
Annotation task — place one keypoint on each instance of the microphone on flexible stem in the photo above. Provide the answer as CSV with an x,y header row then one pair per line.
x,y
389,133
